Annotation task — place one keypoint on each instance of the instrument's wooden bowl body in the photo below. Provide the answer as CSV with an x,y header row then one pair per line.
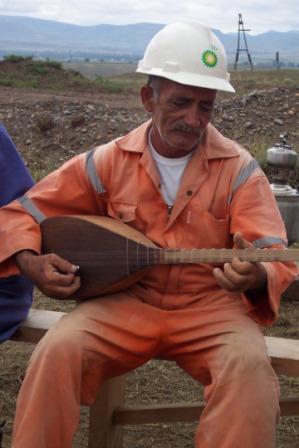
x,y
111,255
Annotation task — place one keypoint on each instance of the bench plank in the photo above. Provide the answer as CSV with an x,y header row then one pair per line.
x,y
284,354
36,325
181,412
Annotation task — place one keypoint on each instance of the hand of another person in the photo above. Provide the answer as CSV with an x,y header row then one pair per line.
x,y
240,276
53,275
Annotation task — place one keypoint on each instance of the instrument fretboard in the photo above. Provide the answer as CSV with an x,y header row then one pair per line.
x,y
182,256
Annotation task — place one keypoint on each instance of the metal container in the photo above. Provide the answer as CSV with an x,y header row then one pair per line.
x,y
289,208
281,155
284,158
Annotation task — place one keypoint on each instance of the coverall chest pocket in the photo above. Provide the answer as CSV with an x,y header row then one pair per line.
x,y
122,211
206,231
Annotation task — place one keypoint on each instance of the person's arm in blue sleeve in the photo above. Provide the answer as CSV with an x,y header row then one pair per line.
x,y
15,177
15,291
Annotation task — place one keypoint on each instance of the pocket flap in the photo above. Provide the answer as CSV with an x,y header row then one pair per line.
x,y
122,211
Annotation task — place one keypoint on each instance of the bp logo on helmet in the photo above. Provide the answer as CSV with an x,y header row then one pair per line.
x,y
209,58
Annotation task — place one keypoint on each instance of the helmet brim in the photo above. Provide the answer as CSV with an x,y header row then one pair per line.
x,y
190,79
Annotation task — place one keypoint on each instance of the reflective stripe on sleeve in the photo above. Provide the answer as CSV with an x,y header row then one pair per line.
x,y
242,177
92,173
31,208
268,241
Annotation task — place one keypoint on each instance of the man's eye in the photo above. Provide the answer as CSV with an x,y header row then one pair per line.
x,y
206,107
178,103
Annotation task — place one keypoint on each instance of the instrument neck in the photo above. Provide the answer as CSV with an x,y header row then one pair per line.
x,y
184,256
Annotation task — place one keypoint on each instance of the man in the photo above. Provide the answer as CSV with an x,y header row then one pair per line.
x,y
183,184
15,290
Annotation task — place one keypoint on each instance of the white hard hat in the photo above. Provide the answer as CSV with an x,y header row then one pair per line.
x,y
188,53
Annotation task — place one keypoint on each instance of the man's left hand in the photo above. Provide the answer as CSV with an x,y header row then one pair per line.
x,y
240,276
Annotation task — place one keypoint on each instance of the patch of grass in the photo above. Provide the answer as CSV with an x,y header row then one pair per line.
x,y
288,81
22,72
6,82
26,84
16,58
75,73
258,148
39,173
44,67
19,84
54,64
112,85
39,68
248,80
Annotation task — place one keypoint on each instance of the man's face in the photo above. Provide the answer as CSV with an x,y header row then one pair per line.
x,y
180,115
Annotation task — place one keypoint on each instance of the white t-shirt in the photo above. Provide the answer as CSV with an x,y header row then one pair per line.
x,y
171,172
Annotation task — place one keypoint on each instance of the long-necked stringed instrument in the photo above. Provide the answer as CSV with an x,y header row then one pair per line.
x,y
112,255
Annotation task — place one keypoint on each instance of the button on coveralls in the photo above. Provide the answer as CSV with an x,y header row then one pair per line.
x,y
175,312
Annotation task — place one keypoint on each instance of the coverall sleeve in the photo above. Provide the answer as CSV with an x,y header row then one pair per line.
x,y
255,214
15,178
16,290
66,191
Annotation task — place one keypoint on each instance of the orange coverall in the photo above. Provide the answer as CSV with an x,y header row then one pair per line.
x,y
175,312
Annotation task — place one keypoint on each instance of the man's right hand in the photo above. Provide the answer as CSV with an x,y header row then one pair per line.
x,y
53,275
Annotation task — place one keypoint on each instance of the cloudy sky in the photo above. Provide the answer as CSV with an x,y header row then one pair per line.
x,y
258,15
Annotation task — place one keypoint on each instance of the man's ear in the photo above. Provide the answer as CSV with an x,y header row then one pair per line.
x,y
147,95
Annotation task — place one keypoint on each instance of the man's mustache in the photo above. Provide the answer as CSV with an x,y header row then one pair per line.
x,y
181,126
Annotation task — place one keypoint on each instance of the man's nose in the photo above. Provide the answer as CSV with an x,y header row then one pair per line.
x,y
192,117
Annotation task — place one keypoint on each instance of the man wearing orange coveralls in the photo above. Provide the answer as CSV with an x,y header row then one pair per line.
x,y
183,184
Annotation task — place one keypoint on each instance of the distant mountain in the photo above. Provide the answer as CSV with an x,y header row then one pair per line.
x,y
45,38
22,33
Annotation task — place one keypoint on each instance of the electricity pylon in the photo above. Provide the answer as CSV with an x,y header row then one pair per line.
x,y
241,29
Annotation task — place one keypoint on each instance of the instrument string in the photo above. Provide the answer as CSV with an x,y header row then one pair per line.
x,y
127,256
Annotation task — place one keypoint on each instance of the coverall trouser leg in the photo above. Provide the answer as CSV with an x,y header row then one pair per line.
x,y
216,343
224,349
99,339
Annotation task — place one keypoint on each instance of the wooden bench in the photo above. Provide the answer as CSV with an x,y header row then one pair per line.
x,y
109,414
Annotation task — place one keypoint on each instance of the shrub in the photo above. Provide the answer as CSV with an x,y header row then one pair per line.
x,y
54,64
6,82
77,120
45,122
39,68
17,58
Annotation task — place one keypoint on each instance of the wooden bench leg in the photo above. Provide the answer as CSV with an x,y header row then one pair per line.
x,y
102,432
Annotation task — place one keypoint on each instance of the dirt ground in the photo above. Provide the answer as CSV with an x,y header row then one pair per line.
x,y
50,127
